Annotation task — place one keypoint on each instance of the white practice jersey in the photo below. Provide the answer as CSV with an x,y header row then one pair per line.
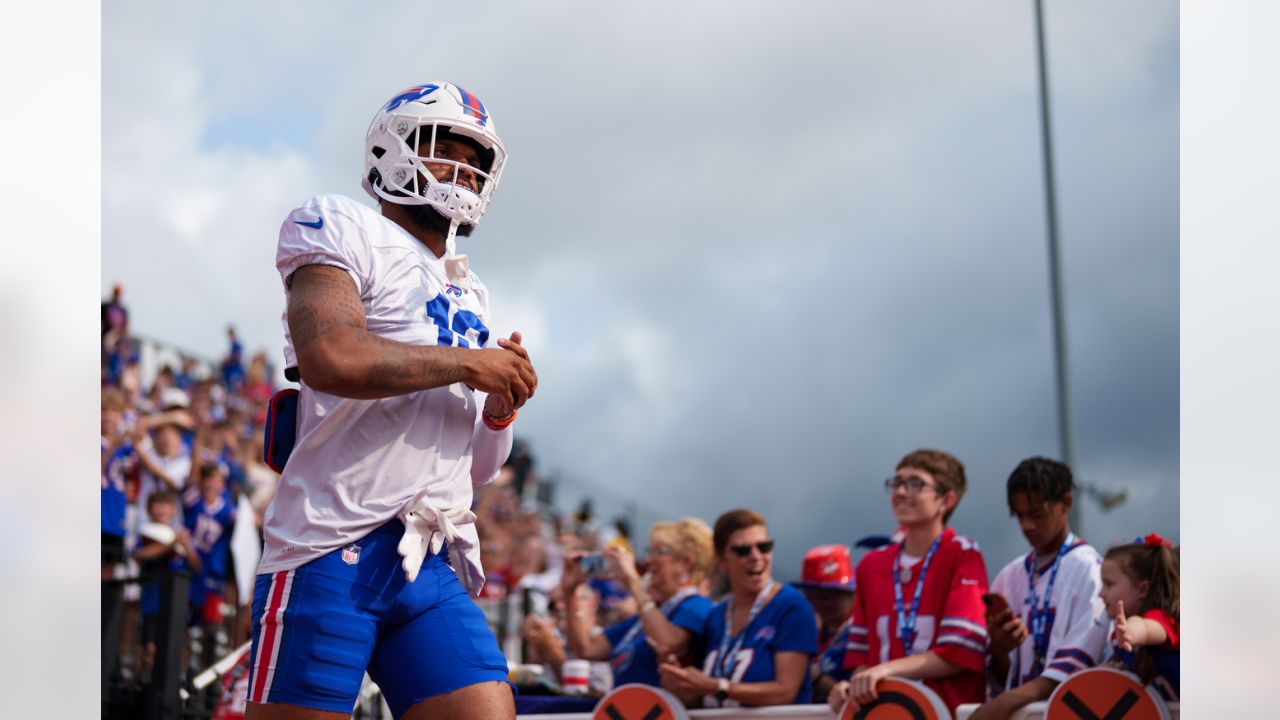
x,y
1077,623
359,463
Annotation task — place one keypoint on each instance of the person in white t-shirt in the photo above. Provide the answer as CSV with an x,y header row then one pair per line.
x,y
1051,622
406,405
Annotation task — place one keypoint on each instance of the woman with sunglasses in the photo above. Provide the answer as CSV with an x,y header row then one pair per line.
x,y
673,610
760,638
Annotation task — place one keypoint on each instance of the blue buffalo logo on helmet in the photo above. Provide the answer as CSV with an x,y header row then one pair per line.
x,y
412,94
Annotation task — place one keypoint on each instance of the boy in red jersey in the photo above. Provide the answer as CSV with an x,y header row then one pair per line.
x,y
919,612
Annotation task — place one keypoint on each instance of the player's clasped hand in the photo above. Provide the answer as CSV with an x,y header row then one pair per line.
x,y
505,373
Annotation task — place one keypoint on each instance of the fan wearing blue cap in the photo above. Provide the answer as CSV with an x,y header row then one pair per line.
x,y
826,578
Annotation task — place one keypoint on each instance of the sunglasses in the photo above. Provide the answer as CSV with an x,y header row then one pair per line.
x,y
764,546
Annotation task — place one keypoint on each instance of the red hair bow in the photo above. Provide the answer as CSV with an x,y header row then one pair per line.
x,y
1154,540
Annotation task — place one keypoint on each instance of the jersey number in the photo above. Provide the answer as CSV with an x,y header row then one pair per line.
x,y
465,324
740,663
207,532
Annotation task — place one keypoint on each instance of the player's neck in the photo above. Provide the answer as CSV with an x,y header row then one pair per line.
x,y
430,237
433,240
920,537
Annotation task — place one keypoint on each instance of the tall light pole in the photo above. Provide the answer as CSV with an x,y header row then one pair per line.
x,y
1065,443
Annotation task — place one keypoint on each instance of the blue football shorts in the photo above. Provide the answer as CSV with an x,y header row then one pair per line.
x,y
319,627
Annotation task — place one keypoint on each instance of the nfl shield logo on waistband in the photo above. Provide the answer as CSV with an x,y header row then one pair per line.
x,y
351,554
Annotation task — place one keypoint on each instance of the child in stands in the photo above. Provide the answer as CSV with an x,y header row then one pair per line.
x,y
918,612
1142,579
1048,619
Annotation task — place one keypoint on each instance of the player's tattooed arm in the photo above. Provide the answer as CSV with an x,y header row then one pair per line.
x,y
338,355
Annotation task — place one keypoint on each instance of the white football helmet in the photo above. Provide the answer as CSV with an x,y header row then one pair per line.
x,y
412,121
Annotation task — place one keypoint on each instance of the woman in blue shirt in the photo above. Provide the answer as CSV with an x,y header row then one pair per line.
x,y
673,610
760,638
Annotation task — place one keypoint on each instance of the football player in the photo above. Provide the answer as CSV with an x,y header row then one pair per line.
x,y
406,405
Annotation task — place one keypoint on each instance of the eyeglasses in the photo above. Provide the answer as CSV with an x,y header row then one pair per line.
x,y
914,485
764,546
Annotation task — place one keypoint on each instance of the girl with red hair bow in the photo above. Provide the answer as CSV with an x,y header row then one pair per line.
x,y
1143,577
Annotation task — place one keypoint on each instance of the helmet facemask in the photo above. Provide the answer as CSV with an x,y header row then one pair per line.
x,y
407,177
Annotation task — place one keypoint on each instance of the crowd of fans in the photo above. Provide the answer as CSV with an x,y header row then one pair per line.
x,y
179,453
705,620
695,611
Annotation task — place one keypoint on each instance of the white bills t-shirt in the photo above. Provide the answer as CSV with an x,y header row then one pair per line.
x,y
1077,617
359,463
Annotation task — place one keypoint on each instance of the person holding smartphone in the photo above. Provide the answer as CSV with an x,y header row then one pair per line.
x,y
673,608
1044,615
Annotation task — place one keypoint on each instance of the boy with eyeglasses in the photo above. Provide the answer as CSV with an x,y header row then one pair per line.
x,y
1049,621
919,612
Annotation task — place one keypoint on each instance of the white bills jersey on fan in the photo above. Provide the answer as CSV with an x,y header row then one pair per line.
x,y
358,464
1076,623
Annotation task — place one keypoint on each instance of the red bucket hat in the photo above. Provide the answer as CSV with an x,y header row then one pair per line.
x,y
827,566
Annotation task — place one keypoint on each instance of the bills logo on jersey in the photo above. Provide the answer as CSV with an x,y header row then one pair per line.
x,y
765,635
454,290
413,93
473,107
621,662
351,554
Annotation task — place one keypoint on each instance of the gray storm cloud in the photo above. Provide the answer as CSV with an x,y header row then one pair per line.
x,y
769,251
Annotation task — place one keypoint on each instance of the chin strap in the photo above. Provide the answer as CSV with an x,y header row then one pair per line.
x,y
456,267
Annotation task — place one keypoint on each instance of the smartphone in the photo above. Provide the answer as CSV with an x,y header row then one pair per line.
x,y
995,603
594,565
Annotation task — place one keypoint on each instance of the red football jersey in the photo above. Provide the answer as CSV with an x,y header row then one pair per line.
x,y
951,620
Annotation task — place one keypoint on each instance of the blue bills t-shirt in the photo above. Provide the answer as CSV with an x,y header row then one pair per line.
x,y
831,663
210,525
632,657
114,500
785,624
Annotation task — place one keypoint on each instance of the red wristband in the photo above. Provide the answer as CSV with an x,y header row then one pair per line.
x,y
499,423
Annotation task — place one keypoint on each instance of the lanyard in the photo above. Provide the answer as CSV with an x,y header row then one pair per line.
x,y
907,623
725,649
1040,617
667,608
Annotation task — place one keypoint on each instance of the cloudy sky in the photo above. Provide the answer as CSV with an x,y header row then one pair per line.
x,y
758,253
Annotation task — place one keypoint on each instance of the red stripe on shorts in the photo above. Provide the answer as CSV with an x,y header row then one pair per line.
x,y
268,637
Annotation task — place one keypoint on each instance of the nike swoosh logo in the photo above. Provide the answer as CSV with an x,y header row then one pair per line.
x,y
319,223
